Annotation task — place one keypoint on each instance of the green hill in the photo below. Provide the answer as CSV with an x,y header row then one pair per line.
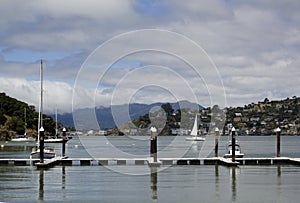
x,y
12,119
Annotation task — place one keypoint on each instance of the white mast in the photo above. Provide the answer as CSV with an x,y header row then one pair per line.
x,y
40,119
25,124
56,127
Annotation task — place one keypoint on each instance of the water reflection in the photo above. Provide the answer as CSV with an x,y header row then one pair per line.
x,y
278,170
233,183
63,178
41,185
153,182
41,191
279,179
217,179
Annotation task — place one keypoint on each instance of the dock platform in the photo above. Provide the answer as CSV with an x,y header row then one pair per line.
x,y
145,161
49,162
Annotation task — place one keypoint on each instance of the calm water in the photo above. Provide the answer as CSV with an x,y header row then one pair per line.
x,y
166,184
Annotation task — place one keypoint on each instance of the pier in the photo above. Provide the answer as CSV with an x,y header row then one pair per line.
x,y
145,161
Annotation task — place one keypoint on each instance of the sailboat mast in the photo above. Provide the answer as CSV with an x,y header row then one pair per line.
x,y
56,127
25,121
41,93
40,119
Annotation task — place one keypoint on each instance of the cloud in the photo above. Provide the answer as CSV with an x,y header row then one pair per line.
x,y
56,94
254,44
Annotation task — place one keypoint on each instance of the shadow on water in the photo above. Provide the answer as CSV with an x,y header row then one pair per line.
x,y
153,182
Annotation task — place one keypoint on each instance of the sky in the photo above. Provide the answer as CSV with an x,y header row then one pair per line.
x,y
109,52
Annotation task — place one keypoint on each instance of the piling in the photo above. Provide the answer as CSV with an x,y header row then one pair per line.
x,y
64,142
278,130
233,143
153,143
42,144
217,135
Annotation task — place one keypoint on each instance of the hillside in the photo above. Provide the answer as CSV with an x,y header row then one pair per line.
x,y
263,117
12,118
253,119
256,118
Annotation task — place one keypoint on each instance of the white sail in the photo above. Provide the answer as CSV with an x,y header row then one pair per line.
x,y
194,131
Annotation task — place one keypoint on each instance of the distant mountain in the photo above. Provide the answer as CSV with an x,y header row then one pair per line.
x,y
110,117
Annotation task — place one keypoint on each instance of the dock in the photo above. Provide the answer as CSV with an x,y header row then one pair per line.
x,y
147,161
49,162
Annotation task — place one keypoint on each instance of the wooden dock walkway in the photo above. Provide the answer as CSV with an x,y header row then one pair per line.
x,y
144,161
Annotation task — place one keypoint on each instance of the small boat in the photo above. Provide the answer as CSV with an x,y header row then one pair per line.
x,y
23,138
194,132
54,140
49,153
238,152
195,138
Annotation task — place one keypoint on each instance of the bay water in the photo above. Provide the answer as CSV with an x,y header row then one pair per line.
x,y
116,183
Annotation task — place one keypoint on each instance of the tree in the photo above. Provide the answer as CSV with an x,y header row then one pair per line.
x,y
2,117
168,108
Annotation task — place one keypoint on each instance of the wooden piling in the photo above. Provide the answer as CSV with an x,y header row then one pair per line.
x,y
233,144
64,142
42,137
153,143
278,130
217,134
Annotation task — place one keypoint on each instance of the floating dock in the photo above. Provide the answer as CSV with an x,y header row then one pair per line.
x,y
147,161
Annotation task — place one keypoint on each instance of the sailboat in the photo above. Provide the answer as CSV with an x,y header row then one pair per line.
x,y
194,133
23,138
55,139
48,152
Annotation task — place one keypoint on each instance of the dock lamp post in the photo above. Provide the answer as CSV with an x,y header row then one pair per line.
x,y
153,143
217,135
233,143
278,130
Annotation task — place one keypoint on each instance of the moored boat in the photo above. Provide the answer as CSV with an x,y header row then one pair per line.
x,y
23,138
49,153
238,151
